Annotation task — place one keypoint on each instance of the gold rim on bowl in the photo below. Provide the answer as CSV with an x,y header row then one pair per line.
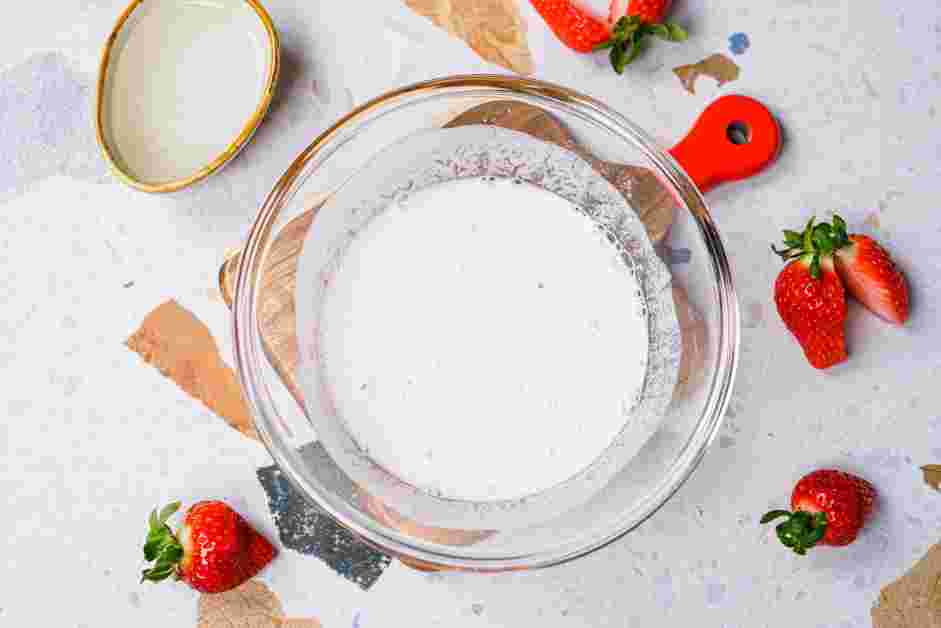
x,y
271,80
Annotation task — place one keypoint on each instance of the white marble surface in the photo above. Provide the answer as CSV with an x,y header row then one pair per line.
x,y
92,439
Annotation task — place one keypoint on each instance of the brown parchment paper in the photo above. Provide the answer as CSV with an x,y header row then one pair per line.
x,y
181,347
494,29
251,605
914,600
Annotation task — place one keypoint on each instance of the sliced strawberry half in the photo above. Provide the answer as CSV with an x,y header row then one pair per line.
x,y
872,278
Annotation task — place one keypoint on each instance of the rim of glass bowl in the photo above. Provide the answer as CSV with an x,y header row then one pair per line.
x,y
250,357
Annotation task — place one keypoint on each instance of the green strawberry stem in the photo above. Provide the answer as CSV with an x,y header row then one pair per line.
x,y
628,34
800,530
162,546
815,241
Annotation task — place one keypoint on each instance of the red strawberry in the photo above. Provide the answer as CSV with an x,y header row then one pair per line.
x,y
649,11
829,508
871,277
812,304
863,265
628,24
215,550
577,28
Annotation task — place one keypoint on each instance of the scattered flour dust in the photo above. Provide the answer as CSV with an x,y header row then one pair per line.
x,y
483,340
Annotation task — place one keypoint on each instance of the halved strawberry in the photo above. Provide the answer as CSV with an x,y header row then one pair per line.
x,y
866,268
870,275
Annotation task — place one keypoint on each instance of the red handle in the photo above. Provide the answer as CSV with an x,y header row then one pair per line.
x,y
734,138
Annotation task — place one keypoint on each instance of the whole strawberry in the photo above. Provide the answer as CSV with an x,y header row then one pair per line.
x,y
810,298
829,507
214,550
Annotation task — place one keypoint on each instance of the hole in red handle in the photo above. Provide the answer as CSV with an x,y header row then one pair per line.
x,y
739,133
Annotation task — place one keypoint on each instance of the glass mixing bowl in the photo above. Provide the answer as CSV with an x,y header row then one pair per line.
x,y
487,537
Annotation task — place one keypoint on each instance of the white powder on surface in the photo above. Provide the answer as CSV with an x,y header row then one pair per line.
x,y
482,340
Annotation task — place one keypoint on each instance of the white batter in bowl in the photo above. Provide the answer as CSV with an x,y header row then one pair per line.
x,y
473,342
484,315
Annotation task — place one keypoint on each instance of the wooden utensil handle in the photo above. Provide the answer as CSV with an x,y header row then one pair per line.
x,y
734,138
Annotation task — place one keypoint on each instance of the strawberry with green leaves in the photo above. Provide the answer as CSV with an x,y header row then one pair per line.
x,y
865,267
213,551
810,297
629,23
828,507
628,34
810,294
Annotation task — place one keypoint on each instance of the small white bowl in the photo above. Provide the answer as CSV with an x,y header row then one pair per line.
x,y
183,85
